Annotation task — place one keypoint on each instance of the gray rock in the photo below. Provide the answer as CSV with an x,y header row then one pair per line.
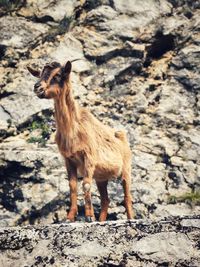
x,y
96,44
100,14
25,171
144,160
22,108
187,59
48,10
135,7
134,243
4,116
189,223
179,209
71,49
19,33
170,247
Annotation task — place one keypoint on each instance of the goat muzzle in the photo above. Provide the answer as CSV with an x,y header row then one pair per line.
x,y
41,94
39,91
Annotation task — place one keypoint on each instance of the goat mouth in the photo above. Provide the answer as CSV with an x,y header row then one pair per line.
x,y
41,94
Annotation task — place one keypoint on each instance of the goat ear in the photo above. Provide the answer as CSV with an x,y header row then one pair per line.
x,y
34,72
68,67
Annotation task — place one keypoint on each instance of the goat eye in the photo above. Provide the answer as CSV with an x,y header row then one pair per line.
x,y
55,79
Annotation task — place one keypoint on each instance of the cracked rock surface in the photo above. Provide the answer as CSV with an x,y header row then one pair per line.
x,y
137,68
168,242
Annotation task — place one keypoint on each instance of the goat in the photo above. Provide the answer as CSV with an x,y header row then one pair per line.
x,y
90,148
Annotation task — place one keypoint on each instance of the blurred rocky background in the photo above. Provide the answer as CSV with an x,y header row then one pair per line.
x,y
137,68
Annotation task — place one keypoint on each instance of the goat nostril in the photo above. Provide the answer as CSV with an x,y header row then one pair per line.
x,y
38,89
37,85
39,92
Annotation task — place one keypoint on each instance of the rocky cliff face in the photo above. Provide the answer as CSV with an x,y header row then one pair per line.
x,y
138,68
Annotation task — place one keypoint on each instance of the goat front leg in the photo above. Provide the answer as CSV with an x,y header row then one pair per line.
x,y
72,175
87,185
126,182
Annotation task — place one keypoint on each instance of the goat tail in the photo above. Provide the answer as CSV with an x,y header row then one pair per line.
x,y
121,135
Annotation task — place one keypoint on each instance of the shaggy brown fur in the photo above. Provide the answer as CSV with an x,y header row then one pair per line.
x,y
90,149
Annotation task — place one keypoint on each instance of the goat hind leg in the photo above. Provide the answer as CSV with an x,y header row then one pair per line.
x,y
126,182
102,187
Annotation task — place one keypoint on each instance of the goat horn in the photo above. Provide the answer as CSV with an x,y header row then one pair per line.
x,y
76,59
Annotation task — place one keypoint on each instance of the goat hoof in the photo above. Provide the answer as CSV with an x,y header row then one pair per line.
x,y
70,221
89,219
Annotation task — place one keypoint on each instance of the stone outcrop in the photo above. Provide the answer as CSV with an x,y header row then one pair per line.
x,y
137,68
169,242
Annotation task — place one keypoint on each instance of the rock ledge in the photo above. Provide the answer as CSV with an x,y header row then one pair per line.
x,y
171,241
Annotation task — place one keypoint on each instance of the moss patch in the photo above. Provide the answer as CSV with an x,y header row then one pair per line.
x,y
192,198
43,126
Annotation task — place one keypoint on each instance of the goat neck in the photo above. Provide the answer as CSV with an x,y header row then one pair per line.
x,y
67,116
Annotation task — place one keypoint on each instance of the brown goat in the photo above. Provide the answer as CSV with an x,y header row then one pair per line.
x,y
89,148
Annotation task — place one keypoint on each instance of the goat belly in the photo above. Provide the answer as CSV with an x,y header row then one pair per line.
x,y
108,164
102,173
107,170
